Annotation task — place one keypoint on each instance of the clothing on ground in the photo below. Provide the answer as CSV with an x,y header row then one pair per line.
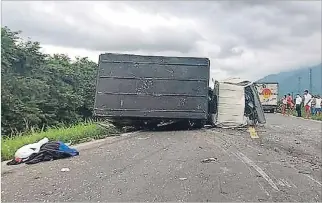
x,y
48,152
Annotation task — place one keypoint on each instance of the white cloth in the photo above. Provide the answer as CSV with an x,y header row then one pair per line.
x,y
307,98
285,101
318,103
298,100
27,150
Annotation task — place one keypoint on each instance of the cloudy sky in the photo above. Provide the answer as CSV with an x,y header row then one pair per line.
x,y
242,38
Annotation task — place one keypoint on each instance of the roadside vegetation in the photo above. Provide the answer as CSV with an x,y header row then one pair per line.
x,y
44,96
74,134
313,117
40,90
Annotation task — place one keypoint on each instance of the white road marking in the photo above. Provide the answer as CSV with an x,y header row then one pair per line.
x,y
285,182
260,185
246,160
304,175
254,148
313,179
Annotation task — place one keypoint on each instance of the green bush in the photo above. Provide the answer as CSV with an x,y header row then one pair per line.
x,y
41,90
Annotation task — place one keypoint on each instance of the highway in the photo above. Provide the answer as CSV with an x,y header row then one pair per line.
x,y
218,165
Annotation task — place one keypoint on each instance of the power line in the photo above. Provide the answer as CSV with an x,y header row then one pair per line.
x,y
299,85
310,78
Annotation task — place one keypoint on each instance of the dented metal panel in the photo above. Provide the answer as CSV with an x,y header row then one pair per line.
x,y
152,86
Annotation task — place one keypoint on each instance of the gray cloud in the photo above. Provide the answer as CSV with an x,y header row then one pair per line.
x,y
94,35
250,38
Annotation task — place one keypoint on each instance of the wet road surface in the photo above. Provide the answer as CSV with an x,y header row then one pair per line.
x,y
283,164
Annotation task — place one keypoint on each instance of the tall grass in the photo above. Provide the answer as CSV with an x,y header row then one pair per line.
x,y
74,134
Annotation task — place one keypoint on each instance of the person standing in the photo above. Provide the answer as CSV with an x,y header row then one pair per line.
x,y
307,103
290,105
313,105
298,103
284,104
318,105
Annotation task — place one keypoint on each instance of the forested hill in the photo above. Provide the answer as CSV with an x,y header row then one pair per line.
x,y
39,90
289,81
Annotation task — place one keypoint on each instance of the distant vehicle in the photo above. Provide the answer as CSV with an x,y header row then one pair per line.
x,y
268,95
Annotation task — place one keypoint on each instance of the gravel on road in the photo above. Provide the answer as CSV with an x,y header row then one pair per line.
x,y
283,164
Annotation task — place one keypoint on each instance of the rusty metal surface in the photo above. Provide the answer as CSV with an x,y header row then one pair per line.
x,y
152,86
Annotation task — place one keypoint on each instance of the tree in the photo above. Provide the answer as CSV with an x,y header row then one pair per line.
x,y
39,90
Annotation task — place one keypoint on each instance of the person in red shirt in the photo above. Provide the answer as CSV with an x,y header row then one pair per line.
x,y
290,104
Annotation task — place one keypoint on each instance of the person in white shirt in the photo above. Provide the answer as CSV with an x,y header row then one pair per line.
x,y
298,103
307,103
318,105
284,105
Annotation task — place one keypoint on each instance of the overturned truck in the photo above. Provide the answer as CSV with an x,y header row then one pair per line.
x,y
148,90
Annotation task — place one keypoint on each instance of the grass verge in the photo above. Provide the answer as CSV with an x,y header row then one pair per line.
x,y
313,117
76,134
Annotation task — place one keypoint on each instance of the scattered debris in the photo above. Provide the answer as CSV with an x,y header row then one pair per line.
x,y
209,160
65,170
183,178
47,193
143,138
165,123
305,172
259,154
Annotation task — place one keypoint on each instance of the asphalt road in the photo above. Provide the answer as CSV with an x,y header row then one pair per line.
x,y
284,164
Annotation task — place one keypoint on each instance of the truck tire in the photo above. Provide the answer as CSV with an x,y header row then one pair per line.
x,y
198,124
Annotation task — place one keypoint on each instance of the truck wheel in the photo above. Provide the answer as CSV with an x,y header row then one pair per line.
x,y
198,124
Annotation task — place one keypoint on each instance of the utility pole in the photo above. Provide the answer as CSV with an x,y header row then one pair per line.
x,y
299,85
310,78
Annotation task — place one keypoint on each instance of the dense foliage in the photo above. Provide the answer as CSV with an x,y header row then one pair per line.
x,y
40,90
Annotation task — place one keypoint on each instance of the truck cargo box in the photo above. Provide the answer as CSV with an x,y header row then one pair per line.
x,y
268,94
135,86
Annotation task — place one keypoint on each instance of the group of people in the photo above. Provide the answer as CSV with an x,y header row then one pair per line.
x,y
312,104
